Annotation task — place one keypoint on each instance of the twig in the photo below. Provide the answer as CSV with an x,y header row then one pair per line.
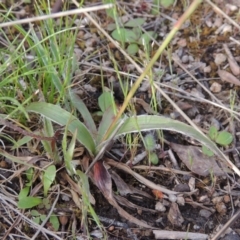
x,y
56,15
227,225
163,234
4,199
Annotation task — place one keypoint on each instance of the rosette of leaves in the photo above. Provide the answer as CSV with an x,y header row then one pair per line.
x,y
223,138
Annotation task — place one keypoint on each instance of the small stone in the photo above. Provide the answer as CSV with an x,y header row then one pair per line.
x,y
231,7
210,224
172,198
216,200
182,188
226,198
216,87
220,58
182,42
160,207
207,69
191,58
221,208
204,199
185,59
205,213
111,228
208,23
181,201
196,227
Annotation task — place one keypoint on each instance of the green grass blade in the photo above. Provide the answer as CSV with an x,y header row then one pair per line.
x,y
146,123
87,117
62,117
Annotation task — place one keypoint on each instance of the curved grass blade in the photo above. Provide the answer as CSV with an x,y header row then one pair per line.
x,y
62,117
146,123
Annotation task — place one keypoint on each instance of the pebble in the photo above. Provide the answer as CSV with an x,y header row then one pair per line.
x,y
216,200
196,227
172,198
181,201
207,69
182,188
185,59
205,213
226,199
220,58
216,87
221,208
160,207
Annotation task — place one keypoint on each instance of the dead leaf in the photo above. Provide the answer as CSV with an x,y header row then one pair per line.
x,y
228,77
174,215
196,161
234,66
138,176
147,108
125,189
184,105
103,181
231,60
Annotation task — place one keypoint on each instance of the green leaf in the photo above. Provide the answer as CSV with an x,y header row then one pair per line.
x,y
153,158
146,38
54,221
111,26
105,123
35,213
167,3
155,7
86,115
29,175
28,202
147,122
61,116
111,12
68,153
138,32
23,193
132,49
36,220
213,132
224,138
207,151
124,35
43,217
135,22
106,100
149,142
48,178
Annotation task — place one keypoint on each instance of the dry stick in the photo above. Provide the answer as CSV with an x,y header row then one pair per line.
x,y
226,226
224,14
5,200
56,15
11,227
164,234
